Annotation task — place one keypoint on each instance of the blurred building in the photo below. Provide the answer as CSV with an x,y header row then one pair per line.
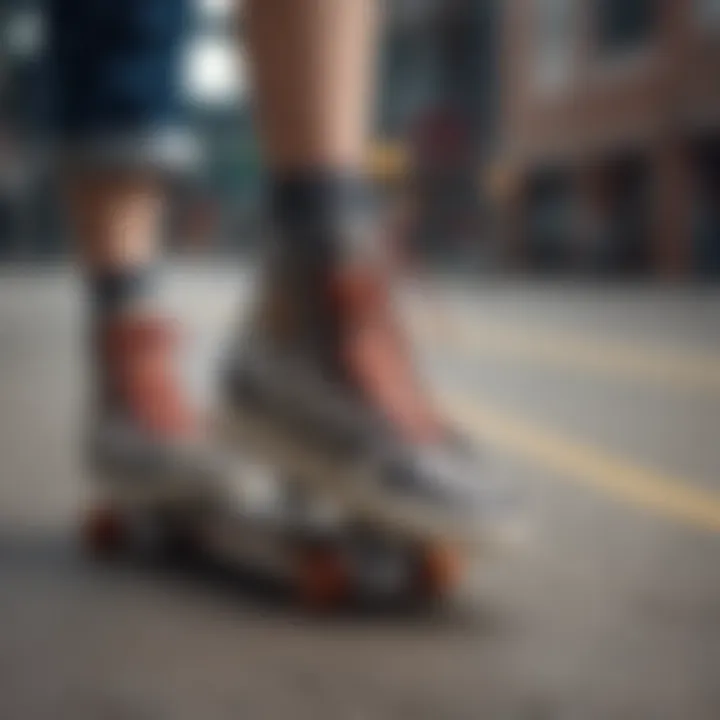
x,y
440,98
610,150
565,134
225,191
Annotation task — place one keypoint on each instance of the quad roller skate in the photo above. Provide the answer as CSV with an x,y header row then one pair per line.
x,y
320,387
150,460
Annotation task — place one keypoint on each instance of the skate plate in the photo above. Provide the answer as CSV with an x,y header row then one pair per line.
x,y
353,488
326,557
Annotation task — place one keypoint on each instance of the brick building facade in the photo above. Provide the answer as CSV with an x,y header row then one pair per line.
x,y
609,152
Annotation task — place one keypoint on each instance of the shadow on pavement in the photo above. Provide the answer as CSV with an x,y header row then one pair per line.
x,y
32,557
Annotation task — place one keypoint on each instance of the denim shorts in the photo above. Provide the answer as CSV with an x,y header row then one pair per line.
x,y
116,84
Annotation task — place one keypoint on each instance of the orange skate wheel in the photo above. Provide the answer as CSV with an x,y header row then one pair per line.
x,y
440,570
103,532
323,580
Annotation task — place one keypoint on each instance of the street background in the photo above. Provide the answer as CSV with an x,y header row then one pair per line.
x,y
571,137
556,167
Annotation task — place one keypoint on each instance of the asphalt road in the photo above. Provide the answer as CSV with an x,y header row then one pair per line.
x,y
602,404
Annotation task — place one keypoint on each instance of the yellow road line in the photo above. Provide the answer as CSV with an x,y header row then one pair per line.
x,y
576,461
584,464
665,366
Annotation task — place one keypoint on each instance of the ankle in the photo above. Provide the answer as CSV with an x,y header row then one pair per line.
x,y
320,215
121,292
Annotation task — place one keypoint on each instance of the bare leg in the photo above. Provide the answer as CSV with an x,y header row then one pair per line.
x,y
313,64
116,219
119,133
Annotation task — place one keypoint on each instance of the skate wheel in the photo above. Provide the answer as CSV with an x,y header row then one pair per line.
x,y
323,580
103,532
439,571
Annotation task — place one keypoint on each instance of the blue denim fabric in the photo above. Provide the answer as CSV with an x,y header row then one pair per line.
x,y
115,65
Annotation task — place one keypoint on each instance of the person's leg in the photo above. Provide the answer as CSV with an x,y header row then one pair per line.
x,y
115,67
116,70
328,308
313,67
116,219
117,130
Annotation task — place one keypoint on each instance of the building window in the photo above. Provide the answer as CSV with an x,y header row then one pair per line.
x,y
555,41
708,11
624,25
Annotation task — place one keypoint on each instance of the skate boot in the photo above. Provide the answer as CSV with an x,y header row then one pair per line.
x,y
321,384
144,440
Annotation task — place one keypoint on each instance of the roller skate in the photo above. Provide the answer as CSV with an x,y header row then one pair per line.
x,y
151,464
320,387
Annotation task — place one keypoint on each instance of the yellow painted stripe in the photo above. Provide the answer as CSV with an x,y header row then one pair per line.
x,y
573,460
667,367
584,464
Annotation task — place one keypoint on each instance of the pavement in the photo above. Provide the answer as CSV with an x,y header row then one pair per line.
x,y
601,403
